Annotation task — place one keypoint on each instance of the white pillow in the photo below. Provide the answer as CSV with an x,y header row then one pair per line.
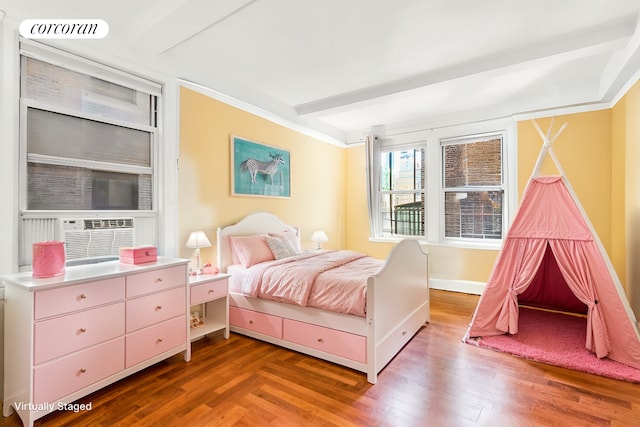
x,y
280,247
291,237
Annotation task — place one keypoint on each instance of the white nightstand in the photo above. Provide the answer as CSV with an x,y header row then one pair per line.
x,y
209,297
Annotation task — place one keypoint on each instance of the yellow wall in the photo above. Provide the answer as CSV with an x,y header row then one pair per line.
x,y
584,152
626,115
599,152
317,174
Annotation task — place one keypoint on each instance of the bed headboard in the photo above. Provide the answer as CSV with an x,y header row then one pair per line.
x,y
255,223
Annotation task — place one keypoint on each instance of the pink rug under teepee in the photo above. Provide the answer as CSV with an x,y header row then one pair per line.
x,y
557,339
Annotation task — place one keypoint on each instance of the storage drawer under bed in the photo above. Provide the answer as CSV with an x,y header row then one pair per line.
x,y
257,322
339,343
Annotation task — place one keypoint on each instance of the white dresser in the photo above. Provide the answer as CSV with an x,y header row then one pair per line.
x,y
68,336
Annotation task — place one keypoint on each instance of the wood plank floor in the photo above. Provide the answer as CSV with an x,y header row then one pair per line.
x,y
436,380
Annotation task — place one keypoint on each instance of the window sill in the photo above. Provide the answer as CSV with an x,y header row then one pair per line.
x,y
489,246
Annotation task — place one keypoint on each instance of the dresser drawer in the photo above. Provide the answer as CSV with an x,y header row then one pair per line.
x,y
257,322
57,379
53,302
340,343
66,334
209,291
155,340
155,308
155,280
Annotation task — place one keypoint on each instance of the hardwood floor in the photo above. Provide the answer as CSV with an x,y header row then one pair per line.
x,y
436,380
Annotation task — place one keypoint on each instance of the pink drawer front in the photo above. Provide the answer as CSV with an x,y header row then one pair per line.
x,y
257,322
54,380
156,280
340,343
53,302
155,340
209,291
66,334
155,308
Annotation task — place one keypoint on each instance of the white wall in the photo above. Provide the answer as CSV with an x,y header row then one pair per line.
x,y
9,155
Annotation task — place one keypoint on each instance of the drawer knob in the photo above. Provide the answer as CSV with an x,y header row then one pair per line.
x,y
158,307
404,332
83,330
83,296
83,370
251,322
211,291
320,340
159,340
159,279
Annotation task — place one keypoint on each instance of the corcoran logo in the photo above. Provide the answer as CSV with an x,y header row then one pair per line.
x,y
64,28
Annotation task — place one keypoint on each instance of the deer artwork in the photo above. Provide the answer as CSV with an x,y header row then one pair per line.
x,y
267,168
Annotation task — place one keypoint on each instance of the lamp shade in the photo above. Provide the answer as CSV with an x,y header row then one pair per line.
x,y
319,236
197,239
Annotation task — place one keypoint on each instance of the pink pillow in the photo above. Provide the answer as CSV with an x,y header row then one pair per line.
x,y
251,250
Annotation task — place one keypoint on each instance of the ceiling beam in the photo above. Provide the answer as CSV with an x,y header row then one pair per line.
x,y
589,42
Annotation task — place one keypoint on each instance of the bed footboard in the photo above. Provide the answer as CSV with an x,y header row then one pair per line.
x,y
397,304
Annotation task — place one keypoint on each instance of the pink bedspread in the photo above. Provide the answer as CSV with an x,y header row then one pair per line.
x,y
331,280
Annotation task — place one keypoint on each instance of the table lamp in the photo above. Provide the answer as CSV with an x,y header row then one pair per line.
x,y
197,240
319,237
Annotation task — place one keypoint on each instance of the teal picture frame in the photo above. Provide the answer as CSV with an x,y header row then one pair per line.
x,y
259,170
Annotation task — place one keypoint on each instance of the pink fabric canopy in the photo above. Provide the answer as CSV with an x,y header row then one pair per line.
x,y
550,219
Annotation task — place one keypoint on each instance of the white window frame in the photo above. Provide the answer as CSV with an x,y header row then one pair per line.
x,y
385,148
149,219
434,185
469,139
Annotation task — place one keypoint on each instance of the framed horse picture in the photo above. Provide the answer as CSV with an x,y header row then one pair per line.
x,y
259,170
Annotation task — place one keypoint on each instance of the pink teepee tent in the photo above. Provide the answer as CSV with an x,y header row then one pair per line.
x,y
552,258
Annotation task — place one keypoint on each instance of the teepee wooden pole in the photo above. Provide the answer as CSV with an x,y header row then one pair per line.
x,y
547,142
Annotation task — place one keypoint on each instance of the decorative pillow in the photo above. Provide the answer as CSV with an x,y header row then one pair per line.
x,y
291,237
280,247
251,250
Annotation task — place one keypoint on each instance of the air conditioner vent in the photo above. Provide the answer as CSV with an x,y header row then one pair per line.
x,y
108,224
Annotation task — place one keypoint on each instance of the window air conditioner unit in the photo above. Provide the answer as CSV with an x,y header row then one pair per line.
x,y
95,238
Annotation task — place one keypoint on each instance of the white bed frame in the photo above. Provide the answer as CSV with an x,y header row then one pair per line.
x,y
397,300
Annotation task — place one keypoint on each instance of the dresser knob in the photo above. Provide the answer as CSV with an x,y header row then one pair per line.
x,y
83,370
159,340
159,279
83,330
211,291
404,332
83,296
251,322
158,307
320,340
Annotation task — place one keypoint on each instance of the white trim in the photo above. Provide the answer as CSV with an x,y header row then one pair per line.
x,y
463,286
260,112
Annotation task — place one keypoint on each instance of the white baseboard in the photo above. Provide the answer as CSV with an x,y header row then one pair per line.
x,y
464,286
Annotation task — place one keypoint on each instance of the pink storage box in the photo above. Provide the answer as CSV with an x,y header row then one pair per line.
x,y
138,254
48,259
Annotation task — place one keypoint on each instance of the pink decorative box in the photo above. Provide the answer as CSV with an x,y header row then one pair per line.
x,y
138,254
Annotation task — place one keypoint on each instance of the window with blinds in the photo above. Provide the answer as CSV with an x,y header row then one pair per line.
x,y
89,142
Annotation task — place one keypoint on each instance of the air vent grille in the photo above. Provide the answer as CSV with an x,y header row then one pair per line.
x,y
108,224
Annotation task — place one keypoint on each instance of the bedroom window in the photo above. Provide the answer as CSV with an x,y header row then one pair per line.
x,y
89,141
452,185
473,187
402,196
